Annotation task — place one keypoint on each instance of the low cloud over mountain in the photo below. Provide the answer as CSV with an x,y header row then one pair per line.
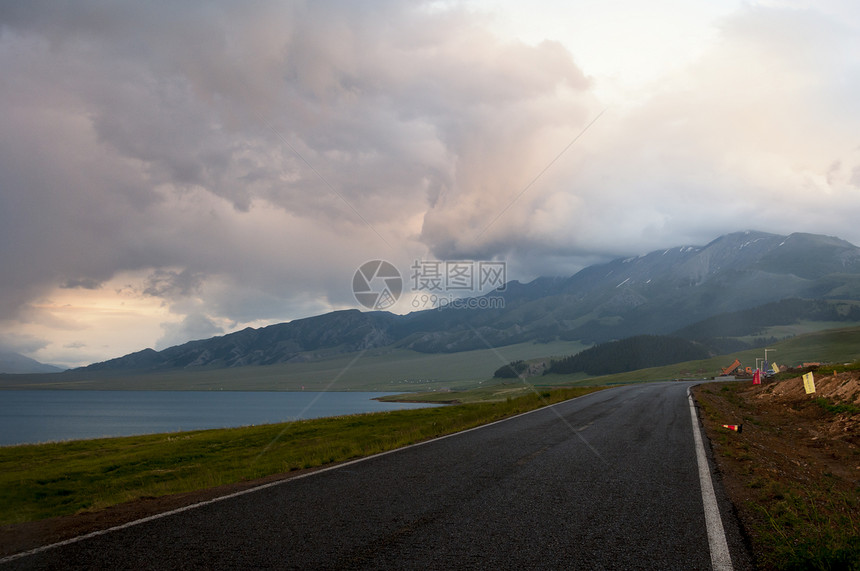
x,y
658,293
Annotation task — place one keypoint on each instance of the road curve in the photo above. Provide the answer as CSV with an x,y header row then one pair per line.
x,y
605,481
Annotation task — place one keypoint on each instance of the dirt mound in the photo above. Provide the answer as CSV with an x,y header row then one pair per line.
x,y
831,410
843,388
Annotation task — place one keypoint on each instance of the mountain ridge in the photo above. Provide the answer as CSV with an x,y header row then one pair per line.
x,y
655,293
15,363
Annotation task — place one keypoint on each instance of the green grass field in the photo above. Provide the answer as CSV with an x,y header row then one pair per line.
x,y
395,370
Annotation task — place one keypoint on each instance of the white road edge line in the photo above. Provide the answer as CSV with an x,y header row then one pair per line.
x,y
721,559
93,534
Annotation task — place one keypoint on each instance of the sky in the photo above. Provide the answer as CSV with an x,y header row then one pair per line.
x,y
177,170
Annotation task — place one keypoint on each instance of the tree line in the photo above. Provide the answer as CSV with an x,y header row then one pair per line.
x,y
630,354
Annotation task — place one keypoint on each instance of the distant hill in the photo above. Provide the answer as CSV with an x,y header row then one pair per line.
x,y
756,320
658,293
299,340
11,362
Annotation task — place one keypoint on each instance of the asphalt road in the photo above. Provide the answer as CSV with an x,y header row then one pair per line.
x,y
606,481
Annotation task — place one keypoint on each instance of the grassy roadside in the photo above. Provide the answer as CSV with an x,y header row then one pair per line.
x,y
790,473
502,390
55,479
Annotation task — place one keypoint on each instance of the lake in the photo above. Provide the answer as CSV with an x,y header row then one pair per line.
x,y
53,415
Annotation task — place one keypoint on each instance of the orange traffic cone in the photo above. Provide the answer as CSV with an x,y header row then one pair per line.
x,y
735,427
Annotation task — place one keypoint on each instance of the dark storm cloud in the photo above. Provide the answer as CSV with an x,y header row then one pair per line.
x,y
171,284
122,114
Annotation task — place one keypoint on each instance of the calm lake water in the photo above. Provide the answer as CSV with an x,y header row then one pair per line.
x,y
49,415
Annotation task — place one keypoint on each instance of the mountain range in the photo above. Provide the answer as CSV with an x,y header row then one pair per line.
x,y
684,288
15,363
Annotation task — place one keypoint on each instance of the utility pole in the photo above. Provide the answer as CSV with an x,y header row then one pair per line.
x,y
765,356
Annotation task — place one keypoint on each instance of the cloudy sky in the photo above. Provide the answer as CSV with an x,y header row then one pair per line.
x,y
177,170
